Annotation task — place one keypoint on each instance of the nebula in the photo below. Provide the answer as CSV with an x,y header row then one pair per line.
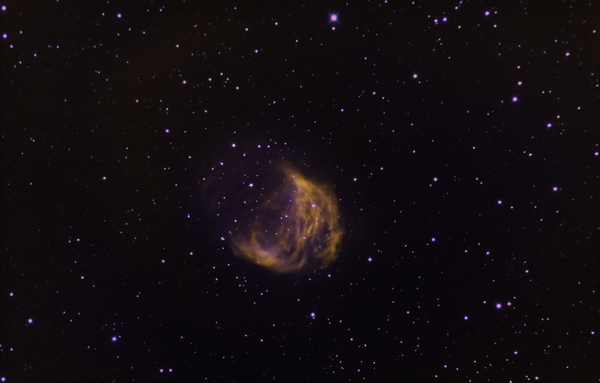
x,y
285,222
297,227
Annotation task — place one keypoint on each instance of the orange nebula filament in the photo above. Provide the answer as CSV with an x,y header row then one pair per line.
x,y
296,228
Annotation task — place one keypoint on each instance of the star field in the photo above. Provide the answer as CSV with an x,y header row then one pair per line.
x,y
458,142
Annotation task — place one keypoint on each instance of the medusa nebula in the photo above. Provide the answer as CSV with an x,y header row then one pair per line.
x,y
275,216
296,227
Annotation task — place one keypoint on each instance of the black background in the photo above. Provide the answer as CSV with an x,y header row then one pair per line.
x,y
109,125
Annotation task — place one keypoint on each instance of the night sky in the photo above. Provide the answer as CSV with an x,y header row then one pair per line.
x,y
457,142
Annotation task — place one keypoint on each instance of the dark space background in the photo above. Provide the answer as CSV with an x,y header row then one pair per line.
x,y
462,139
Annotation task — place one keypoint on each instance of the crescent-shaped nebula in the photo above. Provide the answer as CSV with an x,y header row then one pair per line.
x,y
296,227
277,218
